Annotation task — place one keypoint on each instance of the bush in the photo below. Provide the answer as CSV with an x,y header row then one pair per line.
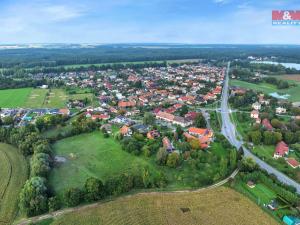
x,y
73,197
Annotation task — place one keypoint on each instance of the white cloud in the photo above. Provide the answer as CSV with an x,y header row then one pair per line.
x,y
222,2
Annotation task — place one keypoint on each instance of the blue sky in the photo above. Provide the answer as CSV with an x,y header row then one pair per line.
x,y
140,21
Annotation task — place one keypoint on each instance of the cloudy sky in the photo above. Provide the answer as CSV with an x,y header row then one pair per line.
x,y
137,21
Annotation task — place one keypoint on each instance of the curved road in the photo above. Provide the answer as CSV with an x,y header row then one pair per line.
x,y
229,130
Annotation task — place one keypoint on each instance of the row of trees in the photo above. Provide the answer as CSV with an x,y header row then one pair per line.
x,y
34,195
95,190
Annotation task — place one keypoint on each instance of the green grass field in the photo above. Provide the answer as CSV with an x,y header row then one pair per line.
x,y
217,206
39,98
91,155
269,88
13,174
14,97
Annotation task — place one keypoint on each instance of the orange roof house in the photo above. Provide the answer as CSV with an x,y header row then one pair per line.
x,y
153,134
123,104
126,131
199,132
64,112
167,144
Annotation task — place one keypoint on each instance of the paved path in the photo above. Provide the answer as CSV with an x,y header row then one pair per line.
x,y
229,130
94,205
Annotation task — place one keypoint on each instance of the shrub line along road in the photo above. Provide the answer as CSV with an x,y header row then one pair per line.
x,y
230,132
94,205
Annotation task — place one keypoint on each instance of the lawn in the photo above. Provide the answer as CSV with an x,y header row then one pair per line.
x,y
269,88
91,155
13,174
262,193
216,206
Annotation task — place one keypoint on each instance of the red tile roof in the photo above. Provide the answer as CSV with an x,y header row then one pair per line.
x,y
266,123
281,149
123,104
293,162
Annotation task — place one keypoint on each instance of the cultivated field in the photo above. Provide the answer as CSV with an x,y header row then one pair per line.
x,y
56,98
269,88
215,206
13,174
295,77
91,155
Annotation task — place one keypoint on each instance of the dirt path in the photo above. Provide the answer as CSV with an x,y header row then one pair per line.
x,y
94,205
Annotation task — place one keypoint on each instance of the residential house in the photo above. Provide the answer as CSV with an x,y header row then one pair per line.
x,y
100,117
153,134
280,110
123,104
65,112
140,128
178,120
167,144
126,131
254,114
267,125
281,150
293,163
200,132
256,106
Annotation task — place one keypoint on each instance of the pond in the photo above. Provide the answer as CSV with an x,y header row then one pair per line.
x,y
286,65
278,96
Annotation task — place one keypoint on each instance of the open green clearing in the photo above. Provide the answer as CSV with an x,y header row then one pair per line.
x,y
217,206
13,174
269,88
14,97
91,155
40,98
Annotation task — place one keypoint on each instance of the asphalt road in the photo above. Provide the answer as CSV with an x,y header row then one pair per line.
x,y
229,130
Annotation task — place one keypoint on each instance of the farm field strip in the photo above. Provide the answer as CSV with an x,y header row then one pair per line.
x,y
14,176
218,206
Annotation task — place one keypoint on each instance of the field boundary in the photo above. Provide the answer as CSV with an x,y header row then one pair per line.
x,y
9,179
94,205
